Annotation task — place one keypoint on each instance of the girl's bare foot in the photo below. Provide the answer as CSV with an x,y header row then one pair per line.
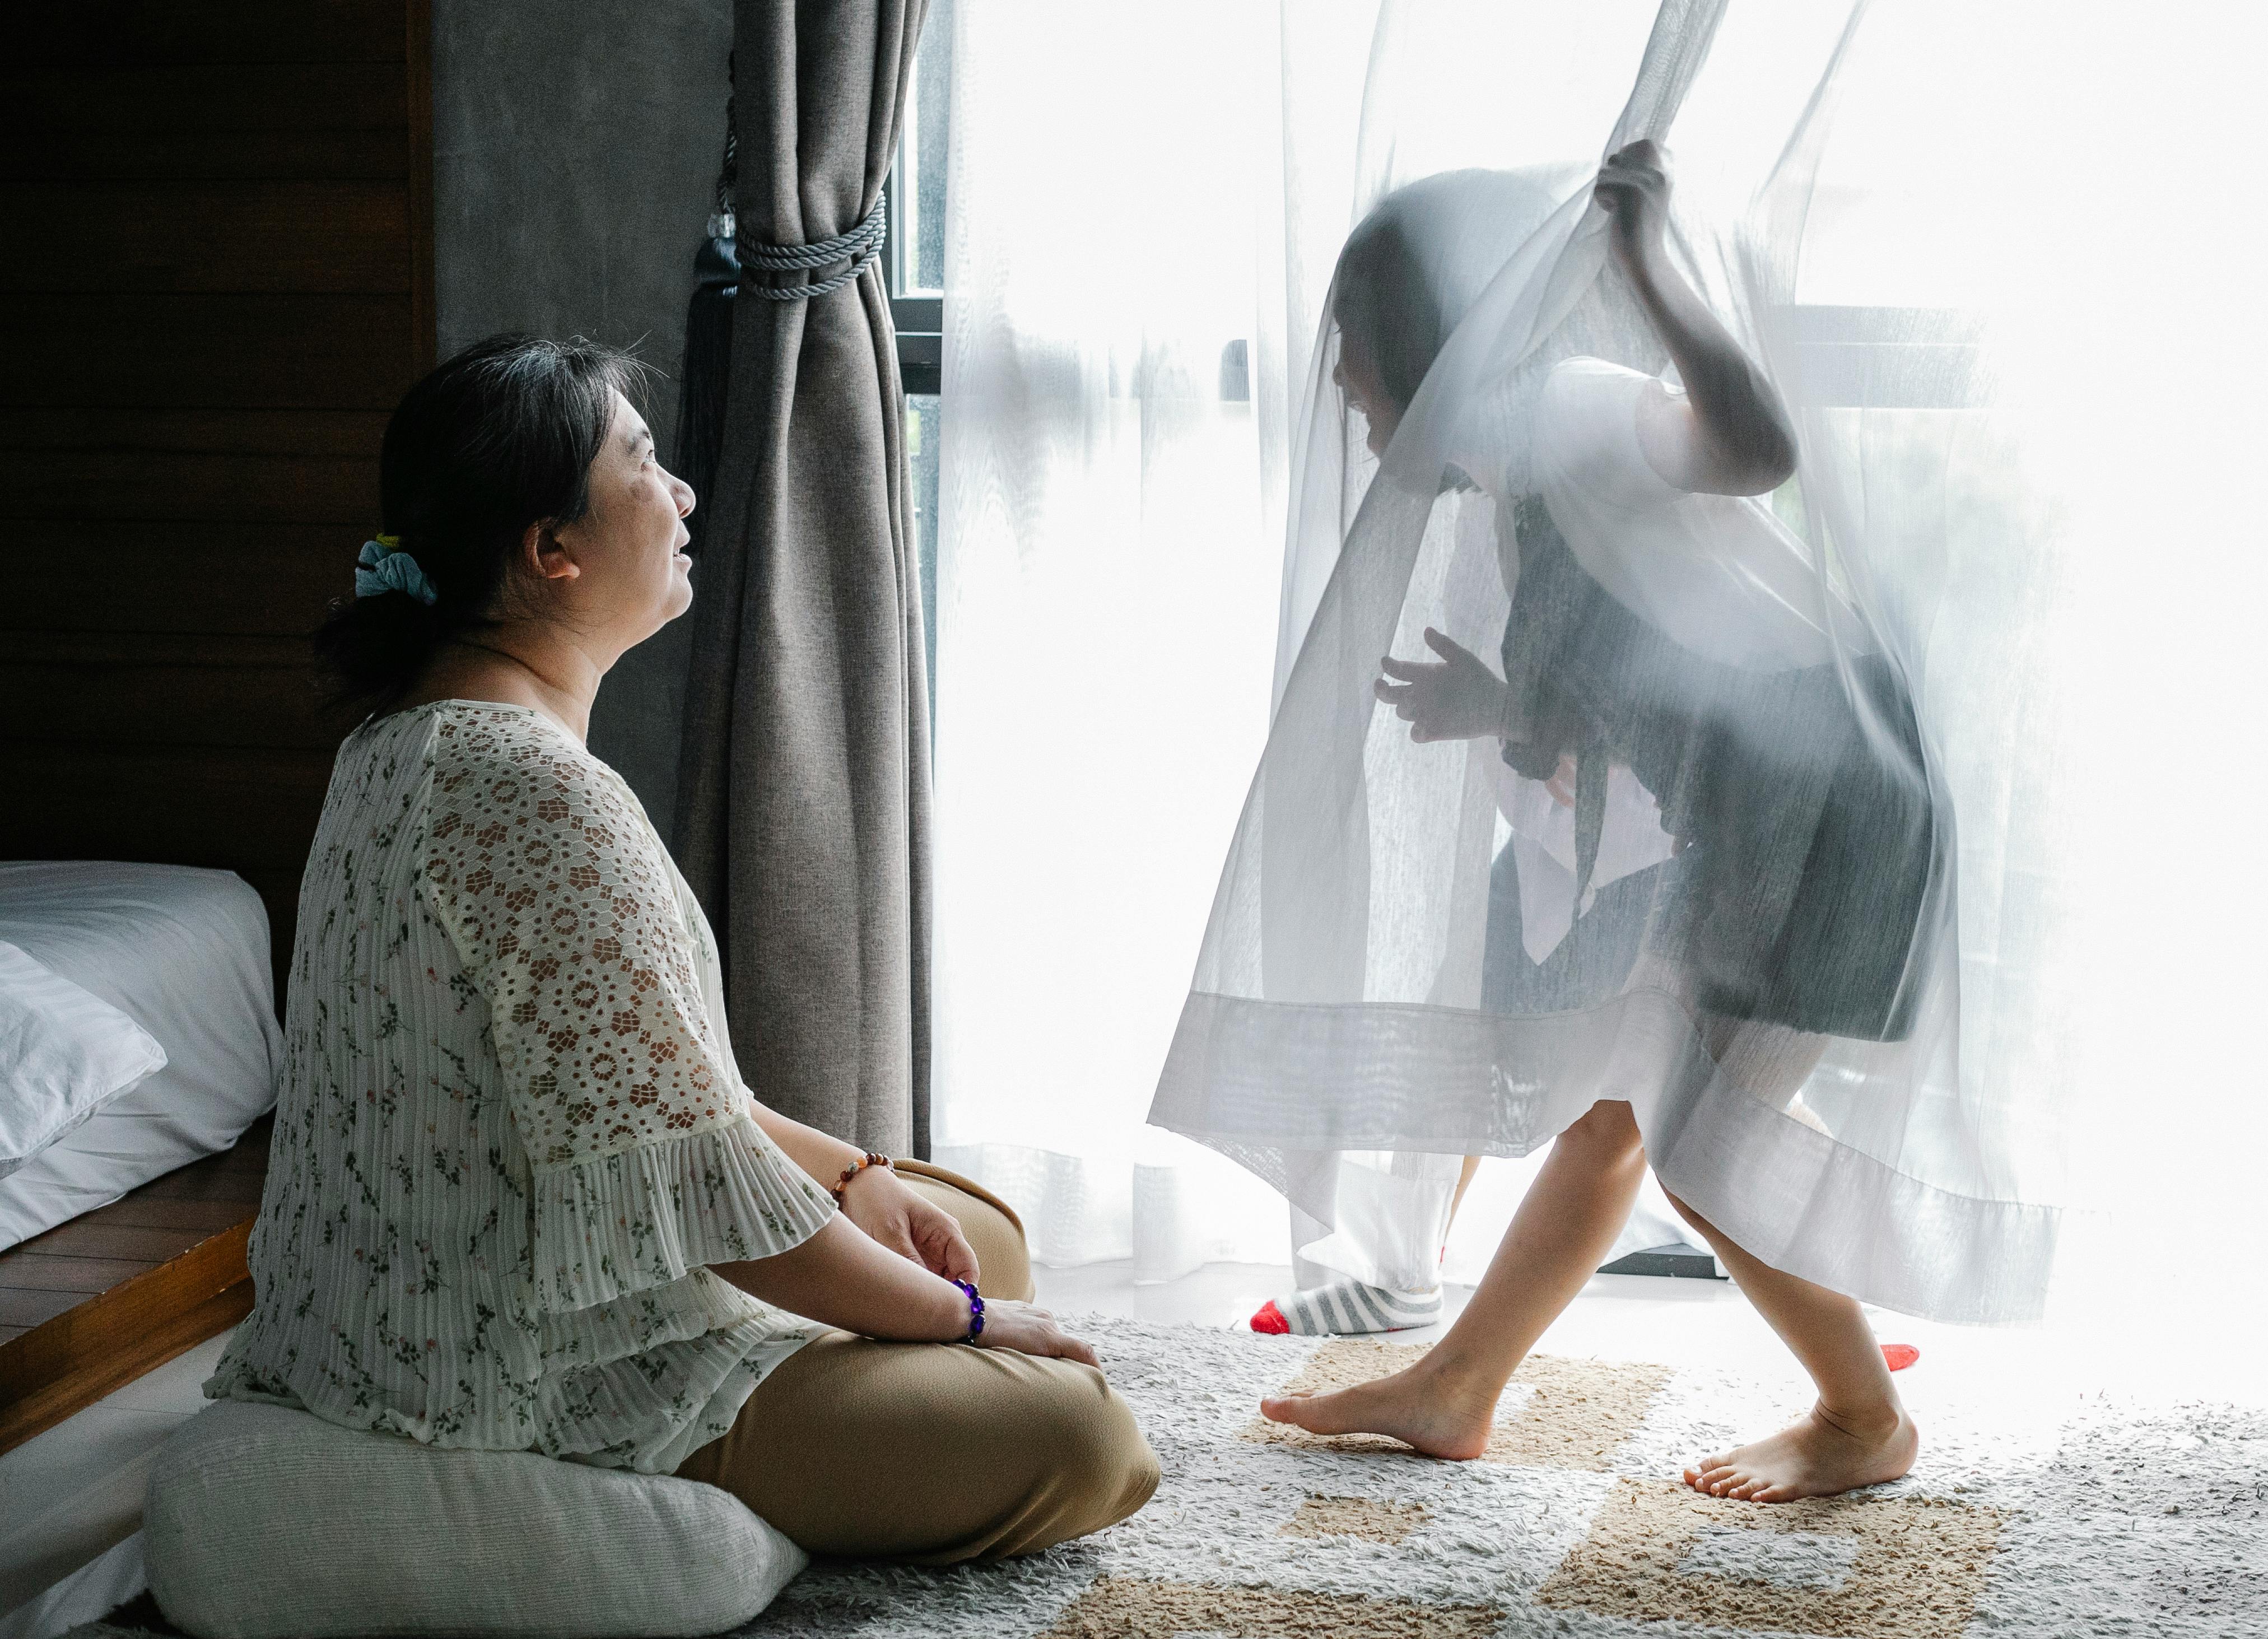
x,y
1821,1456
1431,1410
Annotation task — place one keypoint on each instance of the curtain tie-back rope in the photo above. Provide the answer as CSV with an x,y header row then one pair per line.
x,y
859,247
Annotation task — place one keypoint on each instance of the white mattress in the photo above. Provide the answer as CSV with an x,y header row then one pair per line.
x,y
182,951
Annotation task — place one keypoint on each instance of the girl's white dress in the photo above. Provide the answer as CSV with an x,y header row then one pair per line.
x,y
1768,691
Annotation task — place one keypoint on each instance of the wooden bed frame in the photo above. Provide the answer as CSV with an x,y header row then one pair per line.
x,y
93,1304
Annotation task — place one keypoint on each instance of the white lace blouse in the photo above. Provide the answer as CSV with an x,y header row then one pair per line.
x,y
509,1132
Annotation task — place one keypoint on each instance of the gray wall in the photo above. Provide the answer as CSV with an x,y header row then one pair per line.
x,y
575,152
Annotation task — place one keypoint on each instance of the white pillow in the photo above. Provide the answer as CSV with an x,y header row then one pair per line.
x,y
263,1522
64,1053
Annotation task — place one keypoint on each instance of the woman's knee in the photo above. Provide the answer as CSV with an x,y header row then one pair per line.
x,y
1097,1460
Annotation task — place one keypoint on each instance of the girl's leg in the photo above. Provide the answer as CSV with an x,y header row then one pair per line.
x,y
1464,1182
1858,1433
1445,1403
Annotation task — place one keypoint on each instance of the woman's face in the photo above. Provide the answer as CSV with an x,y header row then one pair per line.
x,y
633,575
1358,377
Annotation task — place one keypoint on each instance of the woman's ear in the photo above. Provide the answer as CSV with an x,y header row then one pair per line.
x,y
540,551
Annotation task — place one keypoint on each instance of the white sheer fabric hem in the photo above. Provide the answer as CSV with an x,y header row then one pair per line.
x,y
1278,1087
1167,1207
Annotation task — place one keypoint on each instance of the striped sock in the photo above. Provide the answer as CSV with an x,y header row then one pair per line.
x,y
1347,1306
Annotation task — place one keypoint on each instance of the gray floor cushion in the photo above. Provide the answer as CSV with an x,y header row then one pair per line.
x,y
265,1523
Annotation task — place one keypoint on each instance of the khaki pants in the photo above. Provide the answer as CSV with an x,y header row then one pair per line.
x,y
935,1452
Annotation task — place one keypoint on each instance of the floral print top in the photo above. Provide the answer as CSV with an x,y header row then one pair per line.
x,y
509,1134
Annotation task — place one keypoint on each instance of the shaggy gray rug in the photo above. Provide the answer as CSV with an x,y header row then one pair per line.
x,y
2115,1521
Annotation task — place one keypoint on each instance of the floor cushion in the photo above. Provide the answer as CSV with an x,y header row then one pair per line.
x,y
267,1523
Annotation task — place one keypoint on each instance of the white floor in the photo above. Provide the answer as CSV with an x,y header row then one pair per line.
x,y
1677,1322
73,1495
2033,1376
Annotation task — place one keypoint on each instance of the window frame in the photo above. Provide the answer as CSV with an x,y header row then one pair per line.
x,y
919,320
918,315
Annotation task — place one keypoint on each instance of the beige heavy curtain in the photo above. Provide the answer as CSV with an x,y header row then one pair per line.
x,y
803,815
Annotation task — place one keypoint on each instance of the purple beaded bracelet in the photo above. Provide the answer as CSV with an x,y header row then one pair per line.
x,y
976,1313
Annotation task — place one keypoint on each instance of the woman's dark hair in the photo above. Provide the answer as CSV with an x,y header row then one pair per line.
x,y
501,437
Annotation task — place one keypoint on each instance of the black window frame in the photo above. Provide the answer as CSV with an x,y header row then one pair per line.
x,y
919,319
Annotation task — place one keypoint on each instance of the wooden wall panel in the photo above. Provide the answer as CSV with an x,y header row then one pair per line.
x,y
85,689
163,32
264,467
340,236
216,280
193,805
323,122
109,575
232,351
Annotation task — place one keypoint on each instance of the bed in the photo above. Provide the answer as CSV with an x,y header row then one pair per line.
x,y
184,954
122,1243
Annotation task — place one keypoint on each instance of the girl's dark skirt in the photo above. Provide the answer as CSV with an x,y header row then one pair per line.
x,y
1807,835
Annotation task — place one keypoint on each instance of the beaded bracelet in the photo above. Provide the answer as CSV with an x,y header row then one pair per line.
x,y
848,1173
976,1313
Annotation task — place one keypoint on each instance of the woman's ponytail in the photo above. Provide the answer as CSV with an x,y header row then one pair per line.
x,y
500,438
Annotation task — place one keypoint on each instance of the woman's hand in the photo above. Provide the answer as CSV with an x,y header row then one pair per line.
x,y
1030,1330
879,1202
1634,187
844,1277
1455,698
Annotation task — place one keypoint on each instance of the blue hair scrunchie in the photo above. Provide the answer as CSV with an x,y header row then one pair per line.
x,y
385,567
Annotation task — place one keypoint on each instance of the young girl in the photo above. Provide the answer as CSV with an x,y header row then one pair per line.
x,y
1754,838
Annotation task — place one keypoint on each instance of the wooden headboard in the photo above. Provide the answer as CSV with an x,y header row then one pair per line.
x,y
216,279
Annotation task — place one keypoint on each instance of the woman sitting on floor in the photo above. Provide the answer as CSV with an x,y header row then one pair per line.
x,y
519,1199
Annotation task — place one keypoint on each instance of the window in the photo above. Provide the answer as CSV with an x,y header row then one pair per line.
x,y
1884,358
913,264
914,258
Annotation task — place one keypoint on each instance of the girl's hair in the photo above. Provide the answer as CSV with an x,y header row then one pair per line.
x,y
1386,305
1415,264
501,437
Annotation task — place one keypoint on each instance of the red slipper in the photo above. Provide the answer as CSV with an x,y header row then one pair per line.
x,y
1896,1356
1268,1319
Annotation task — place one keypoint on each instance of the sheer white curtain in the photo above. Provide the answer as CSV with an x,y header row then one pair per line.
x,y
2099,567
1135,253
1135,191
1145,212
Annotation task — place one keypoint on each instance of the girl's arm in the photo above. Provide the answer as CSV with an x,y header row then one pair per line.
x,y
1730,434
